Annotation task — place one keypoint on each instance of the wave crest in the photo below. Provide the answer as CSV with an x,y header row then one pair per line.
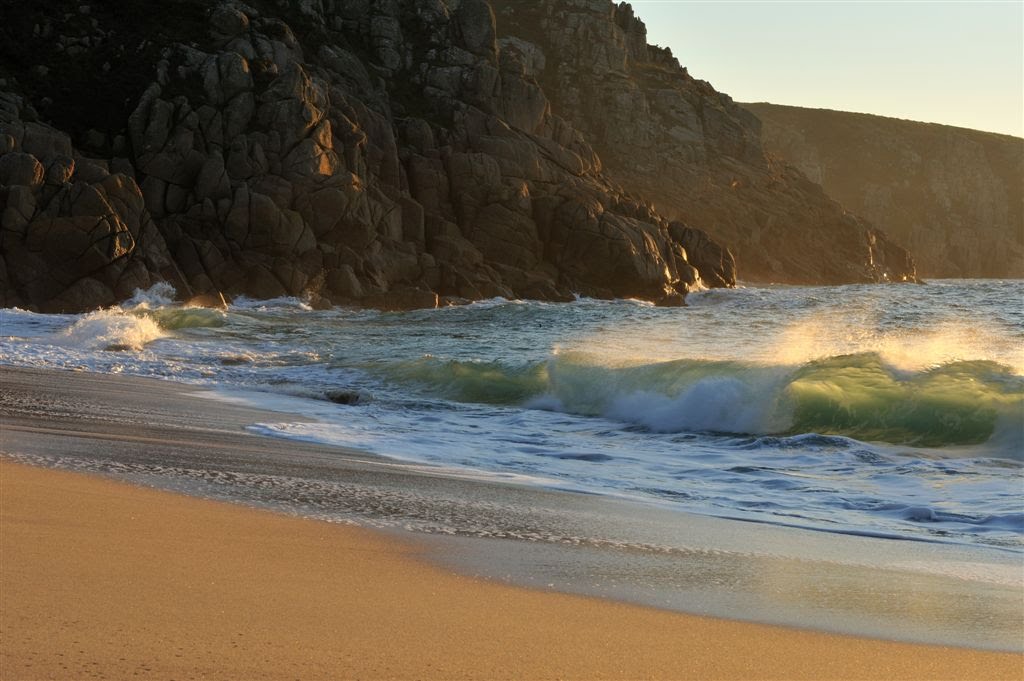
x,y
857,396
112,329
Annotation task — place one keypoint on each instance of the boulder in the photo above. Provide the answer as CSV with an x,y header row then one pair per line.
x,y
714,262
60,170
19,168
228,22
475,22
343,283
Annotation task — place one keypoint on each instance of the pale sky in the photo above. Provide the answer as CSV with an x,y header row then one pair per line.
x,y
958,63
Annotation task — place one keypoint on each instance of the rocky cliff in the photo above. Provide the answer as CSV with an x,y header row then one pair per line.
x,y
954,197
663,134
383,152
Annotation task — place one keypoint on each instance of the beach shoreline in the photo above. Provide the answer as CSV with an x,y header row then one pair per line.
x,y
119,580
63,414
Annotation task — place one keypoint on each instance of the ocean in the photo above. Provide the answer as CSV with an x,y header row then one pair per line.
x,y
893,411
849,458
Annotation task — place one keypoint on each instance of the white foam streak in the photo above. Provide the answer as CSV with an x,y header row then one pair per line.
x,y
285,303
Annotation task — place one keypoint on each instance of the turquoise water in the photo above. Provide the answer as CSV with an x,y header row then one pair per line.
x,y
892,411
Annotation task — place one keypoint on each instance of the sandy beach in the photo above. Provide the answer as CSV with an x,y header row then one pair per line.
x,y
105,580
101,579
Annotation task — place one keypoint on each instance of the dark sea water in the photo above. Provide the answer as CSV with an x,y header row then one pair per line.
x,y
893,411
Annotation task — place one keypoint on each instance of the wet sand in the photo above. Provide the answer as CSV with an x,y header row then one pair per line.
x,y
101,579
105,580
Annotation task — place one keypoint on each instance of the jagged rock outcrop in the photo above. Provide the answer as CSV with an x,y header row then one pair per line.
x,y
73,233
955,197
693,151
378,152
384,152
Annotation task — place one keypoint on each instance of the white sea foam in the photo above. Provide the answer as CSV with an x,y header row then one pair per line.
x,y
122,327
497,301
720,404
282,303
158,295
111,329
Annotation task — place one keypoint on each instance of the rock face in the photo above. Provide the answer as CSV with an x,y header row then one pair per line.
x,y
665,135
73,234
385,152
955,197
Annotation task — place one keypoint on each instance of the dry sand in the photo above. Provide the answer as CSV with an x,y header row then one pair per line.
x,y
100,579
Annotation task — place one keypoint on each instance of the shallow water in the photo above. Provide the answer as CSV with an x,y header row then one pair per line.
x,y
889,411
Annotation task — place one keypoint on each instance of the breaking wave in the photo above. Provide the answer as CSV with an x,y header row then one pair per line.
x,y
858,396
112,329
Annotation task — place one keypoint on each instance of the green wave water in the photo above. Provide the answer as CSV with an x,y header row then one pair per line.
x,y
486,382
960,403
857,396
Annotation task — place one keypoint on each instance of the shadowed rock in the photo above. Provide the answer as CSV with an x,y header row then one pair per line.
x,y
80,240
691,150
387,154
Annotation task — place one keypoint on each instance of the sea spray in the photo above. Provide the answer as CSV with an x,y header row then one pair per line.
x,y
941,340
112,329
160,294
147,316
